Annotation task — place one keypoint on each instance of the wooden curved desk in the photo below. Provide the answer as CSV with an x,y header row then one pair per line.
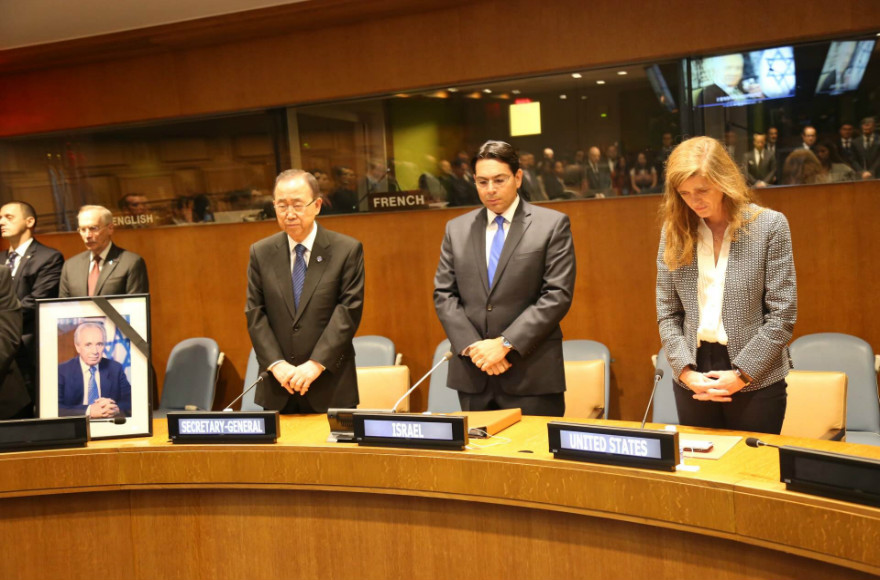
x,y
143,508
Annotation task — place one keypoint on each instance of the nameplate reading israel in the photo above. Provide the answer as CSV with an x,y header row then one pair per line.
x,y
230,426
408,429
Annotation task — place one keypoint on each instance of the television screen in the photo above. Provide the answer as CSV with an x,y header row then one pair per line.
x,y
743,78
661,89
844,66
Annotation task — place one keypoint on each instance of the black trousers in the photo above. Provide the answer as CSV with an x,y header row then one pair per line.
x,y
297,405
761,411
493,398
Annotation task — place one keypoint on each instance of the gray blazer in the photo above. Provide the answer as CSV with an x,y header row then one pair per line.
x,y
323,327
531,293
123,273
759,307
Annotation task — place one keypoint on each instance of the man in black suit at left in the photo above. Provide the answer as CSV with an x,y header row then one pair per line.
x,y
15,402
36,271
305,296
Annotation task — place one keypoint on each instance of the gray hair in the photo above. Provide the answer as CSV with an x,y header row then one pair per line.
x,y
292,174
97,325
106,215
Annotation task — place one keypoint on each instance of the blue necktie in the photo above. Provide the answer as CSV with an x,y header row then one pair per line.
x,y
495,250
299,273
93,386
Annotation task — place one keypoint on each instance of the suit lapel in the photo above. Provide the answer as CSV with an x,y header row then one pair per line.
x,y
478,244
279,266
109,265
318,260
522,218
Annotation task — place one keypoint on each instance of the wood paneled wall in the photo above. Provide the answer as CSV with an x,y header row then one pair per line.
x,y
387,47
197,277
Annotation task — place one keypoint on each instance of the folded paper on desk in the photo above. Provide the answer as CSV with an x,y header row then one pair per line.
x,y
483,424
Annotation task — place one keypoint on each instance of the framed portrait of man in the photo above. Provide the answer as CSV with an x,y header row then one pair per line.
x,y
94,360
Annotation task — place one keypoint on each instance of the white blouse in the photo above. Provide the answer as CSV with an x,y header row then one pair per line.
x,y
710,285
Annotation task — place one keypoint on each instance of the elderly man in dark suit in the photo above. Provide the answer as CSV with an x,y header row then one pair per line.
x,y
104,269
15,402
89,384
504,282
36,272
760,167
305,297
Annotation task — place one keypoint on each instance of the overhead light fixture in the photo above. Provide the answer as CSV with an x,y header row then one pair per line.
x,y
600,82
563,97
452,90
622,72
487,91
515,91
576,75
583,97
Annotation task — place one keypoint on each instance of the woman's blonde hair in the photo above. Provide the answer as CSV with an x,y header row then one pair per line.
x,y
707,158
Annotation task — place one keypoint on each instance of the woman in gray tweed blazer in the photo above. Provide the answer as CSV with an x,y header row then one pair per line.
x,y
726,293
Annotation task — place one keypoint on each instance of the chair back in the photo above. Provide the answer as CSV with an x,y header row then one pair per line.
x,y
373,351
832,351
442,399
250,375
585,389
191,375
664,409
586,350
816,404
381,387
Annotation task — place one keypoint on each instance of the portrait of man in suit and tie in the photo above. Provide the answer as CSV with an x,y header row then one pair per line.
x,y
305,297
89,383
36,274
104,269
504,282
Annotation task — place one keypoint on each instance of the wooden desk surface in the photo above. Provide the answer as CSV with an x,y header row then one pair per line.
x,y
737,500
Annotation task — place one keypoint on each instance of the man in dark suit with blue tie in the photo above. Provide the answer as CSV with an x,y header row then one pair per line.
x,y
504,282
305,297
36,271
90,384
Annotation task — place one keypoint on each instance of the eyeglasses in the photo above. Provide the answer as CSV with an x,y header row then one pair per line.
x,y
90,229
498,181
298,207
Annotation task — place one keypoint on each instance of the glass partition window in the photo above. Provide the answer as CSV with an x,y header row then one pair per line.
x,y
793,114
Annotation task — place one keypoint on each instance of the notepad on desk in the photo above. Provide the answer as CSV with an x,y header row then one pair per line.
x,y
483,424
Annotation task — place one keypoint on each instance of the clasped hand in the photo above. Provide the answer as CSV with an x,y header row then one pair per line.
x,y
103,408
297,379
716,386
489,356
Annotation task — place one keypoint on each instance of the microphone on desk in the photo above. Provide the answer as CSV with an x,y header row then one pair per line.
x,y
263,376
445,358
118,420
658,374
755,442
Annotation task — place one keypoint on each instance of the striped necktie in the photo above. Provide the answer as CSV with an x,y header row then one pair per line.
x,y
299,273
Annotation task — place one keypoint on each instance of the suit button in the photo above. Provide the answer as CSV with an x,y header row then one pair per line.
x,y
489,308
296,328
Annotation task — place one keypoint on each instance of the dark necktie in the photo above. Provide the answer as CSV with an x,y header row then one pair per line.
x,y
299,273
93,275
93,386
495,250
10,260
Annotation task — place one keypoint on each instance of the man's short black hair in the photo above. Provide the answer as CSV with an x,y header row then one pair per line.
x,y
573,175
499,151
27,210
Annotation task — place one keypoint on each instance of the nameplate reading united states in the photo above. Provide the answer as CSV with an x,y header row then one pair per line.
x,y
410,430
631,447
235,427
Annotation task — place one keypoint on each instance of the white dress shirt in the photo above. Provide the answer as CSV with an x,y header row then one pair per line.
x,y
19,252
309,243
710,284
492,227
